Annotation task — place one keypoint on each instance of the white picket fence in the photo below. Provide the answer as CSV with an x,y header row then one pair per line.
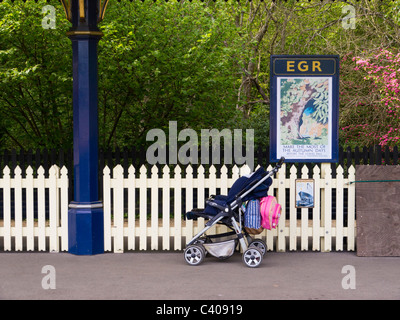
x,y
144,227
32,233
146,213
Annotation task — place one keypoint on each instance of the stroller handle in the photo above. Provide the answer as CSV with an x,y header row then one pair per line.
x,y
281,160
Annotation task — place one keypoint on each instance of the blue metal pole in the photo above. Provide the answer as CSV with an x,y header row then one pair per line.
x,y
85,215
85,224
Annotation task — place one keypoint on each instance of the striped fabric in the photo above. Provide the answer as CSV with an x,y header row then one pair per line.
x,y
252,216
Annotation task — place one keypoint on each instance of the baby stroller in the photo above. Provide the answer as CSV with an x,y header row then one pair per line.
x,y
227,210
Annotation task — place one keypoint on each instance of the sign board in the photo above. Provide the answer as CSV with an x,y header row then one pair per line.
x,y
305,193
304,109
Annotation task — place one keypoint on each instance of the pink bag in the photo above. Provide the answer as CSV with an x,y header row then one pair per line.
x,y
270,211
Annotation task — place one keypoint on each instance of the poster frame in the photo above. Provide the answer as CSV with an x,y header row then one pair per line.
x,y
331,71
311,183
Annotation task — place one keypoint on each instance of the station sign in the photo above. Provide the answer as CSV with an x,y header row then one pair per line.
x,y
304,109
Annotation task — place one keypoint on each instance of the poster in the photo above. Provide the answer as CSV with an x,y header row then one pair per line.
x,y
304,193
304,109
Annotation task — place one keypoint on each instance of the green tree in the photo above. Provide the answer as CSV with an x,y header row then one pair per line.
x,y
35,78
203,64
157,62
162,62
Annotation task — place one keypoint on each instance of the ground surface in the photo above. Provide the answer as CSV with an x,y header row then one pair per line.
x,y
165,276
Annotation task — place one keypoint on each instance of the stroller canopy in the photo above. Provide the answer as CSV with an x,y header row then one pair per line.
x,y
241,186
245,183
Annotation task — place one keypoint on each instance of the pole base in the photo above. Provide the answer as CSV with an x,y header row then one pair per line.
x,y
85,228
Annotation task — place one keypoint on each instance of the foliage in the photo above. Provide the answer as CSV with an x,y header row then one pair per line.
x,y
204,64
157,62
375,115
35,78
162,62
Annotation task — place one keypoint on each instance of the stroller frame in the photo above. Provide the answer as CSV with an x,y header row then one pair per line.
x,y
254,251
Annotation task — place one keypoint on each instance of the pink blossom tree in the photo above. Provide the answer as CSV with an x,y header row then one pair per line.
x,y
370,100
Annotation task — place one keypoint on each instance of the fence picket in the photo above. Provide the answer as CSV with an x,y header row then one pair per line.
x,y
224,180
165,184
30,232
316,223
327,239
351,211
18,208
281,242
53,208
107,208
271,234
304,216
143,208
235,173
41,209
131,208
224,190
153,184
177,209
212,187
200,195
7,208
118,205
339,208
292,209
64,208
189,201
212,180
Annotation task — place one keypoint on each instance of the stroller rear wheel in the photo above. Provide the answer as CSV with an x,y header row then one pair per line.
x,y
194,254
252,257
260,244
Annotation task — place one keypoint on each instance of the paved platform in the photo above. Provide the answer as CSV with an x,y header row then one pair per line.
x,y
165,276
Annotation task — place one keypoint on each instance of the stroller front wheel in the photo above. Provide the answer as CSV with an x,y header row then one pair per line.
x,y
194,254
252,257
